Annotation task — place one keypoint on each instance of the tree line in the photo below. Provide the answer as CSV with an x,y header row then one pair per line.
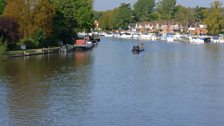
x,y
164,10
42,23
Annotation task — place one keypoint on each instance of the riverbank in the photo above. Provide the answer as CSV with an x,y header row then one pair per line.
x,y
30,52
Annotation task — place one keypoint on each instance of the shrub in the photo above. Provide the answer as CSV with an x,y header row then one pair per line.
x,y
40,37
3,48
30,43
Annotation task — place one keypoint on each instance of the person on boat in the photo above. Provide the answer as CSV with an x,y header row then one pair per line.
x,y
141,45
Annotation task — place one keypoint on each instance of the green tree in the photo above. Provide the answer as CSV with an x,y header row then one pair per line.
x,y
84,14
2,6
106,20
143,9
97,15
166,8
199,13
214,18
72,16
155,16
64,22
183,15
123,16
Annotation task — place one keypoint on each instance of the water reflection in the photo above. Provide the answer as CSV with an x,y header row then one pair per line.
x,y
168,84
35,85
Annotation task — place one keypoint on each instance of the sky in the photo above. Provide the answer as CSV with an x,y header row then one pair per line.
x,y
101,5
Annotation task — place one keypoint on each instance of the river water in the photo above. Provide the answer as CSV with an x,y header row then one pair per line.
x,y
169,84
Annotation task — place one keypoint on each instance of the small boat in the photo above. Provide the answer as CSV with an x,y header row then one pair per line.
x,y
83,44
138,48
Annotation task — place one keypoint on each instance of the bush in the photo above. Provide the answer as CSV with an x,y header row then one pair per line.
x,y
30,43
13,46
40,37
3,48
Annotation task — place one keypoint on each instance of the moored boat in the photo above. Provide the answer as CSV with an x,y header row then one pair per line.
x,y
83,44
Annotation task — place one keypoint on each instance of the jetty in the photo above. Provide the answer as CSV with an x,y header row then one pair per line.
x,y
31,52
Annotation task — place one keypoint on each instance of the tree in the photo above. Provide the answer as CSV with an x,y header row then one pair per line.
x,y
183,15
117,18
15,9
166,8
199,13
2,6
143,9
155,16
43,16
31,15
97,15
72,16
9,30
64,20
84,14
214,18
104,20
123,16
107,21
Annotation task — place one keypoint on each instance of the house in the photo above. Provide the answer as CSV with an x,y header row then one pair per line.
x,y
198,29
158,27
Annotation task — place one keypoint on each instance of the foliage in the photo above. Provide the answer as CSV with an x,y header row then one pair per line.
x,y
16,9
214,18
166,8
3,48
143,9
183,15
199,13
9,29
106,21
31,15
97,14
123,16
155,16
39,37
84,14
30,43
64,22
2,6
43,16
72,16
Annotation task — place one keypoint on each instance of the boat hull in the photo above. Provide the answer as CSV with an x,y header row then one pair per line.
x,y
84,47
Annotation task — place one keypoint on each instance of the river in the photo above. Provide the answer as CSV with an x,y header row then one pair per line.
x,y
169,84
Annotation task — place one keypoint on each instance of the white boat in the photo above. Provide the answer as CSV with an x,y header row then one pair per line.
x,y
135,35
170,38
196,40
109,34
126,35
145,36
